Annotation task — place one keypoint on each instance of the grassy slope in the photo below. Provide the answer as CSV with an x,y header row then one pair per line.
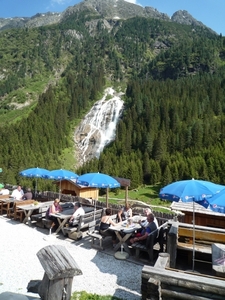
x,y
145,193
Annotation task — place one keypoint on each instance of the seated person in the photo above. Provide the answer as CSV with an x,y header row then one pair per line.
x,y
78,211
127,211
148,211
124,213
28,195
145,230
54,208
106,221
17,193
120,215
4,191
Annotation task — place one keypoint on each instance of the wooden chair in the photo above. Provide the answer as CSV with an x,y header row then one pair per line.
x,y
95,236
157,236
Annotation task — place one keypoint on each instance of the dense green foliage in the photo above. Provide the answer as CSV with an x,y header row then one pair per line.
x,y
173,122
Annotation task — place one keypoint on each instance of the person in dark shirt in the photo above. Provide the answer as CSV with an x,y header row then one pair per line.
x,y
28,195
106,221
145,232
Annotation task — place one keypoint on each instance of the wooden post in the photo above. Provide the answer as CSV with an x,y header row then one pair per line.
x,y
172,244
60,268
107,197
126,195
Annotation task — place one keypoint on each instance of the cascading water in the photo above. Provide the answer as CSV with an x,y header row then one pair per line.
x,y
98,127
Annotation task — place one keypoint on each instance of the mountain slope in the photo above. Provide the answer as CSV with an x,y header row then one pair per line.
x,y
107,9
172,74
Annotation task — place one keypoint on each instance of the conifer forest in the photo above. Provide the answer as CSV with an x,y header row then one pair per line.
x,y
173,76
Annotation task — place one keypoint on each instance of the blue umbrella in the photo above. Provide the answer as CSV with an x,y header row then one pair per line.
x,y
34,173
61,174
217,202
98,180
191,190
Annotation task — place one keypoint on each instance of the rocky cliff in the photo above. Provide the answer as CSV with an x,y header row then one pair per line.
x,y
107,9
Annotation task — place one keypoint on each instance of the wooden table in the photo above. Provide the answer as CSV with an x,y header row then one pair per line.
x,y
5,204
123,233
28,210
64,216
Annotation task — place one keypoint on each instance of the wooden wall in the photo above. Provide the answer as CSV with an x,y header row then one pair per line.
x,y
68,187
205,220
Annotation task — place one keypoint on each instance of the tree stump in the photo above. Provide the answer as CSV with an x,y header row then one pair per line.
x,y
60,268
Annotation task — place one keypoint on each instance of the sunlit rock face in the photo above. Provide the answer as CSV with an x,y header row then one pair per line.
x,y
98,127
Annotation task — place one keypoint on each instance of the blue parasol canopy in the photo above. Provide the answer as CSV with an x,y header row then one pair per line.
x,y
217,202
190,190
34,173
98,180
60,174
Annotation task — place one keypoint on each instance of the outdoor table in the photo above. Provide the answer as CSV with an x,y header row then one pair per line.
x,y
28,210
5,204
123,233
65,215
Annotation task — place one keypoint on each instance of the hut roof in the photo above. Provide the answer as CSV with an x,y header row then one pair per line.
x,y
188,207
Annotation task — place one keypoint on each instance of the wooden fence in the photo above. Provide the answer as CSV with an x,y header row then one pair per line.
x,y
50,196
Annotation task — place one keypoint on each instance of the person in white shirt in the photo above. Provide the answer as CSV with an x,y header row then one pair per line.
x,y
78,211
4,191
17,193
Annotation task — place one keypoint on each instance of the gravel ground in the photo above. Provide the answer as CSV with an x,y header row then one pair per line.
x,y
102,273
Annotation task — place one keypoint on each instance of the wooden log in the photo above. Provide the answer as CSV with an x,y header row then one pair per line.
x,y
172,244
57,262
199,282
60,268
163,261
57,289
167,294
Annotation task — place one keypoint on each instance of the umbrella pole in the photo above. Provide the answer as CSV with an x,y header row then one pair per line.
x,y
95,209
193,256
107,197
126,196
60,190
36,189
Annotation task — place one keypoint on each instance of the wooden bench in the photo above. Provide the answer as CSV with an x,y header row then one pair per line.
x,y
93,232
204,238
181,236
84,222
17,213
157,236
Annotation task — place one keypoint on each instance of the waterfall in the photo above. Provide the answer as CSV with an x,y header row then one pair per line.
x,y
98,127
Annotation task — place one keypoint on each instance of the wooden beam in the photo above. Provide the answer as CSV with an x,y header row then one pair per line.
x,y
204,235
